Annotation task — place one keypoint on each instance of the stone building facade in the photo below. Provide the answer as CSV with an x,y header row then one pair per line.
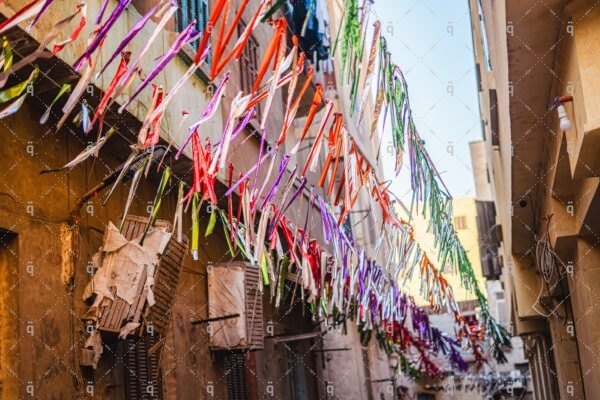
x,y
41,332
531,58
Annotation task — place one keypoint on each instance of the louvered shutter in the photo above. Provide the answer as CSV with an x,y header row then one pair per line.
x,y
143,377
236,376
233,288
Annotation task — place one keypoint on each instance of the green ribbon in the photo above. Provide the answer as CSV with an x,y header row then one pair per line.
x,y
264,271
15,91
157,202
211,223
195,226
7,54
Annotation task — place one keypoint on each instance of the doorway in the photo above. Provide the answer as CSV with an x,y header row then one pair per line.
x,y
9,316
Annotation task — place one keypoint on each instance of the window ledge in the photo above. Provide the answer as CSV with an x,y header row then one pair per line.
x,y
187,54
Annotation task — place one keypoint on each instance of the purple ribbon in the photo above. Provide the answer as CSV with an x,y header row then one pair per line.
x,y
101,33
249,115
101,12
186,35
42,11
208,112
129,37
249,172
282,211
284,162
325,219
260,152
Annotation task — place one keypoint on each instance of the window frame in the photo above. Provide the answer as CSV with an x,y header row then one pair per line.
x,y
460,222
200,10
249,63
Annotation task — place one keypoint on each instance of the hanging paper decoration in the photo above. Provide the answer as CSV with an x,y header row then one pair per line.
x,y
151,136
223,39
428,188
101,12
82,8
16,92
157,201
7,55
186,36
139,25
134,66
41,51
18,89
76,93
29,11
43,9
132,189
341,282
12,107
195,226
85,154
370,70
135,153
100,34
273,9
209,111
83,117
64,89
106,98
178,219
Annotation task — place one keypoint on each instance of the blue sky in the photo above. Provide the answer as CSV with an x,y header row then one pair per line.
x,y
430,40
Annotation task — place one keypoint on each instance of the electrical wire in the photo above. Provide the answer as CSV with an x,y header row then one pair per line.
x,y
551,268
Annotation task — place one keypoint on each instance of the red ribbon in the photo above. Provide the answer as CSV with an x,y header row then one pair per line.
x,y
100,110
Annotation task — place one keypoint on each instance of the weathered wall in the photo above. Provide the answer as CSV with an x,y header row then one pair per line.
x,y
37,295
189,366
565,163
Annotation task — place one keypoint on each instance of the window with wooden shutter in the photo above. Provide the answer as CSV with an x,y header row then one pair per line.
x,y
143,376
142,347
235,305
248,64
494,122
166,278
190,10
236,376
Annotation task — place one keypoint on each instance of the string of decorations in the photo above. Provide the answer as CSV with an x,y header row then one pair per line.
x,y
485,384
339,279
428,187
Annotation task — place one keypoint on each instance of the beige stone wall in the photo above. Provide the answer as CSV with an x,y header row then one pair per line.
x,y
192,366
566,173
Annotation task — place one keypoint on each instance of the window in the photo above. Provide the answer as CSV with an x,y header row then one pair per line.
x,y
460,222
248,64
12,277
188,11
297,370
142,370
494,127
484,42
236,376
347,227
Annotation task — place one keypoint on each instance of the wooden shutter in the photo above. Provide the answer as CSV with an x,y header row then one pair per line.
x,y
254,308
494,122
166,278
233,289
143,377
236,376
